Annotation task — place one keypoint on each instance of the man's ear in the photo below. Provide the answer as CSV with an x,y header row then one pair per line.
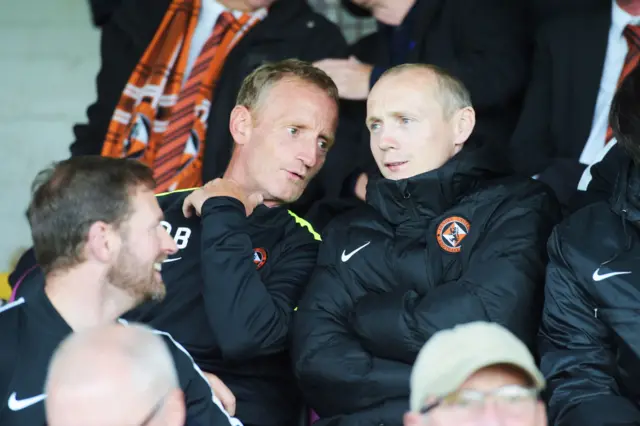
x,y
102,242
240,124
464,121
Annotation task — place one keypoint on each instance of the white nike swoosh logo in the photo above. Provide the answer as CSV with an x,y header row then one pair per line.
x,y
171,260
17,405
598,277
346,257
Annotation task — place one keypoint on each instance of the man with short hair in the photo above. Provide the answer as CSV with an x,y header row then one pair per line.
x,y
98,238
113,375
481,42
476,374
447,237
244,259
170,74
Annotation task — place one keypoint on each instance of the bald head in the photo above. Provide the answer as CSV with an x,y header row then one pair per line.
x,y
112,375
450,92
419,117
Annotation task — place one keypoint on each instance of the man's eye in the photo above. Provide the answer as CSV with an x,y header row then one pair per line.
x,y
292,130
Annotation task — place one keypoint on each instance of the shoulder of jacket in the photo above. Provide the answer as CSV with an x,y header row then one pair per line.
x,y
11,309
140,19
301,228
527,188
580,225
516,190
564,26
173,200
10,314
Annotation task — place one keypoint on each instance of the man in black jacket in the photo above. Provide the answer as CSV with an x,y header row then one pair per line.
x,y
589,343
277,30
483,43
446,238
97,236
243,263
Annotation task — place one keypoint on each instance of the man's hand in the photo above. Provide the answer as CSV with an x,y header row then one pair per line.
x,y
223,393
350,75
219,188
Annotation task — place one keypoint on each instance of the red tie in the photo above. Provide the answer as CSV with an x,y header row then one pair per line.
x,y
632,34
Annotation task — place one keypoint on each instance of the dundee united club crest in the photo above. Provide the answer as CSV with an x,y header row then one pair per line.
x,y
259,257
451,232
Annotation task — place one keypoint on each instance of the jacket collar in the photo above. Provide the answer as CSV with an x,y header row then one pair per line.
x,y
431,194
626,195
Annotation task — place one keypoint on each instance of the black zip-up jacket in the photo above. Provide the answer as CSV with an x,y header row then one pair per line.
x,y
231,293
589,340
30,331
457,244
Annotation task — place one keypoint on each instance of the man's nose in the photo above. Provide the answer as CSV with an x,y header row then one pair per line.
x,y
309,153
168,244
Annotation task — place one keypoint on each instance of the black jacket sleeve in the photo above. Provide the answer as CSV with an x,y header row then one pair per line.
x,y
502,283
599,179
249,317
335,372
203,406
576,352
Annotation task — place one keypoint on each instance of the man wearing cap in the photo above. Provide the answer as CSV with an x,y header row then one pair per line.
x,y
485,376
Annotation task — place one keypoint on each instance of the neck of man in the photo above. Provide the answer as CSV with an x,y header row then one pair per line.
x,y
632,7
238,172
83,297
393,12
240,5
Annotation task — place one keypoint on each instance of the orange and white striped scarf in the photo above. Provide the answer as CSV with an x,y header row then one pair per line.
x,y
161,119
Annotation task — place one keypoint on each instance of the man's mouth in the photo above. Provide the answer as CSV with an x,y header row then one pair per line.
x,y
295,175
395,165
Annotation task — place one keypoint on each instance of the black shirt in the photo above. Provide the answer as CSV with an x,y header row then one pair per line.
x,y
232,289
30,331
